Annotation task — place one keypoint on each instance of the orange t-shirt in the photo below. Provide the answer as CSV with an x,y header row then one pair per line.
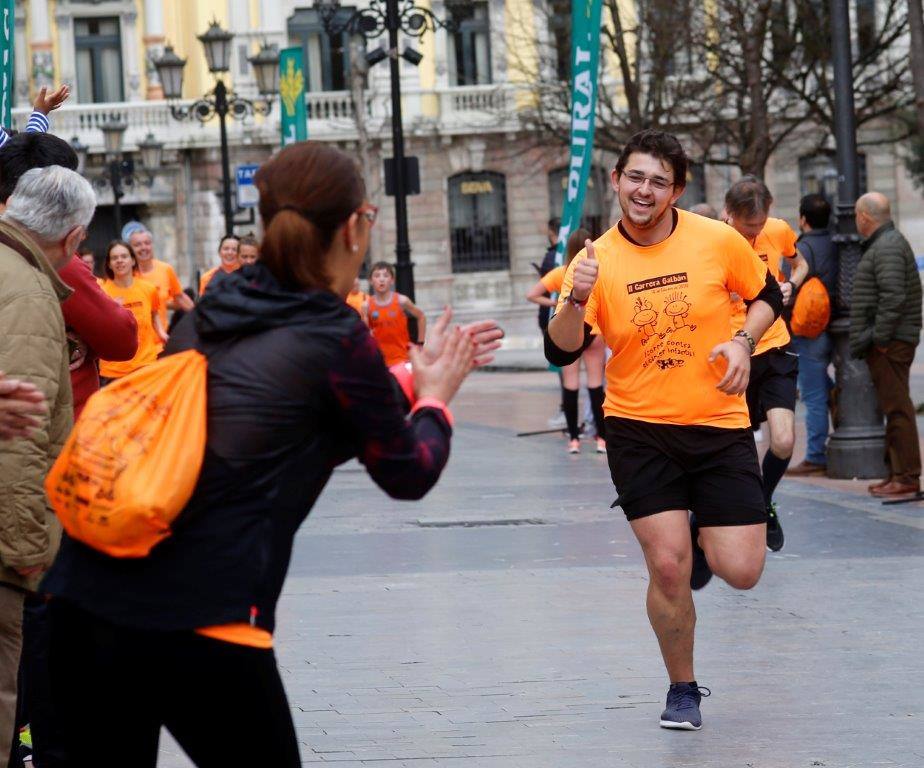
x,y
388,324
142,300
775,242
206,278
661,309
356,299
553,279
240,633
165,280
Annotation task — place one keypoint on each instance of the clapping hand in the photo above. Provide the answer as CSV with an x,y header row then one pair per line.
x,y
485,334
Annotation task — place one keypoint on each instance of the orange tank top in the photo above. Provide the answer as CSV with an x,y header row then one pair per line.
x,y
388,324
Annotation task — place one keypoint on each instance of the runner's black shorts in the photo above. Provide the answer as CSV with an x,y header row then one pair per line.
x,y
774,375
709,470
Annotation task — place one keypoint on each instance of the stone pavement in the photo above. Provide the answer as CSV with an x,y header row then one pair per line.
x,y
500,623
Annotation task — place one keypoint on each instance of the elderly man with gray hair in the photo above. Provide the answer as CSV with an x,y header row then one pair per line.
x,y
885,328
45,220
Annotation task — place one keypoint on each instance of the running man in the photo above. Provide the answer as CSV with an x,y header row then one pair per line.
x,y
358,299
657,285
772,387
388,313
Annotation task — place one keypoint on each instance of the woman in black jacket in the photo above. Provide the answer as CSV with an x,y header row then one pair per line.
x,y
296,385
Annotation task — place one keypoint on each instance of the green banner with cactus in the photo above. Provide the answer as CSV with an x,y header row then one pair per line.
x,y
7,57
292,96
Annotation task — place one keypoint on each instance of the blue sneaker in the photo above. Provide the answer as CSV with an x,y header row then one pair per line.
x,y
682,710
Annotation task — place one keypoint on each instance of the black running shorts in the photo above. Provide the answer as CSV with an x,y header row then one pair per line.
x,y
708,470
772,384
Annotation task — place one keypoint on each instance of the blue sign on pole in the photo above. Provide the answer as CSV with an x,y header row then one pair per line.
x,y
247,195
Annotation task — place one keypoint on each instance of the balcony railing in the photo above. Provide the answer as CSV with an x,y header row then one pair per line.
x,y
330,117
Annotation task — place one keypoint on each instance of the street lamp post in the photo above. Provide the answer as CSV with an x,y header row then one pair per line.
x,y
221,101
113,133
857,446
392,17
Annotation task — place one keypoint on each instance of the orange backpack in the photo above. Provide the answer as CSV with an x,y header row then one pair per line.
x,y
812,311
132,461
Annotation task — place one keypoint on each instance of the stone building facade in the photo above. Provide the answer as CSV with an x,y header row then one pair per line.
x,y
488,187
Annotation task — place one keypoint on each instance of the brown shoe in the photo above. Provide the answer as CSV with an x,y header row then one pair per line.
x,y
878,484
806,468
896,488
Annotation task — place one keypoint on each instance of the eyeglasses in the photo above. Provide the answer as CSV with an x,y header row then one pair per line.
x,y
369,212
657,182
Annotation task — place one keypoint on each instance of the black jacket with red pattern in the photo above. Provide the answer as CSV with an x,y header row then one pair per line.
x,y
296,386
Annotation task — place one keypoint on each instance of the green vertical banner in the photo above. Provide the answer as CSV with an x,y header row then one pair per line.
x,y
7,40
294,121
585,61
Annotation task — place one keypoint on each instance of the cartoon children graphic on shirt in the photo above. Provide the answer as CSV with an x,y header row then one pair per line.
x,y
646,319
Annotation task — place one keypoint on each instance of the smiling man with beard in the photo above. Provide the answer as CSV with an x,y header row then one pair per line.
x,y
658,285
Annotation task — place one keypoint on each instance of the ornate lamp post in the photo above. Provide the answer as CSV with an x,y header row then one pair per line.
x,y
856,448
392,17
220,101
113,133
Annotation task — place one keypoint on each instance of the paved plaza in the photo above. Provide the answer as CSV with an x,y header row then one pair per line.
x,y
500,623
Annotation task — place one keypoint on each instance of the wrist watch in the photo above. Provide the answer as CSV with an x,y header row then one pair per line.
x,y
574,302
752,345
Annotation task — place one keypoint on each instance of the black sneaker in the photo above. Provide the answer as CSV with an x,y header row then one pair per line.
x,y
775,536
701,573
682,709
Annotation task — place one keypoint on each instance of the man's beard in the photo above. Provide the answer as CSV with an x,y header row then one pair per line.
x,y
651,221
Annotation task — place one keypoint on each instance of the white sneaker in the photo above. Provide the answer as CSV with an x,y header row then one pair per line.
x,y
558,421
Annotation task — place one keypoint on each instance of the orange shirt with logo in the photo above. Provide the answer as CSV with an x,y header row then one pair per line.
x,y
776,242
662,309
388,324
165,280
142,300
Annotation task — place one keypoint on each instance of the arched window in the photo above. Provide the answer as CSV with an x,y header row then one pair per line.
x,y
478,222
594,218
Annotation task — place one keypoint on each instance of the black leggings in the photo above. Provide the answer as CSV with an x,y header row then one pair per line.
x,y
115,687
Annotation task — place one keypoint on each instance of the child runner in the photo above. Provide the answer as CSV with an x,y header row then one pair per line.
x,y
142,299
593,357
358,299
388,312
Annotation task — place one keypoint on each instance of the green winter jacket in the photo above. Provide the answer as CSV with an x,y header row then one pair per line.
x,y
33,348
886,301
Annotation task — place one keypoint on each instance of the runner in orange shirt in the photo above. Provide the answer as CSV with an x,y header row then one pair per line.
x,y
388,313
658,285
771,390
159,273
229,251
249,250
358,299
593,357
142,300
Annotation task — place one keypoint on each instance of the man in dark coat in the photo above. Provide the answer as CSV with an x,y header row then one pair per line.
x,y
885,328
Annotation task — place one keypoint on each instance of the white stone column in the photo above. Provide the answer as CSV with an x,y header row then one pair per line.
x,y
154,41
67,58
43,73
130,56
21,95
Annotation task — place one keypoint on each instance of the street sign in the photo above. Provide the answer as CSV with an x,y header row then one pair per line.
x,y
247,195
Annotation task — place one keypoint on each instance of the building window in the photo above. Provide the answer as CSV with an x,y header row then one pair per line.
x,y
594,217
866,25
478,222
695,191
470,46
326,57
818,175
98,44
560,35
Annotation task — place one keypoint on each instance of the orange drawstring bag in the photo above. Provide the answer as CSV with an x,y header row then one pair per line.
x,y
132,461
